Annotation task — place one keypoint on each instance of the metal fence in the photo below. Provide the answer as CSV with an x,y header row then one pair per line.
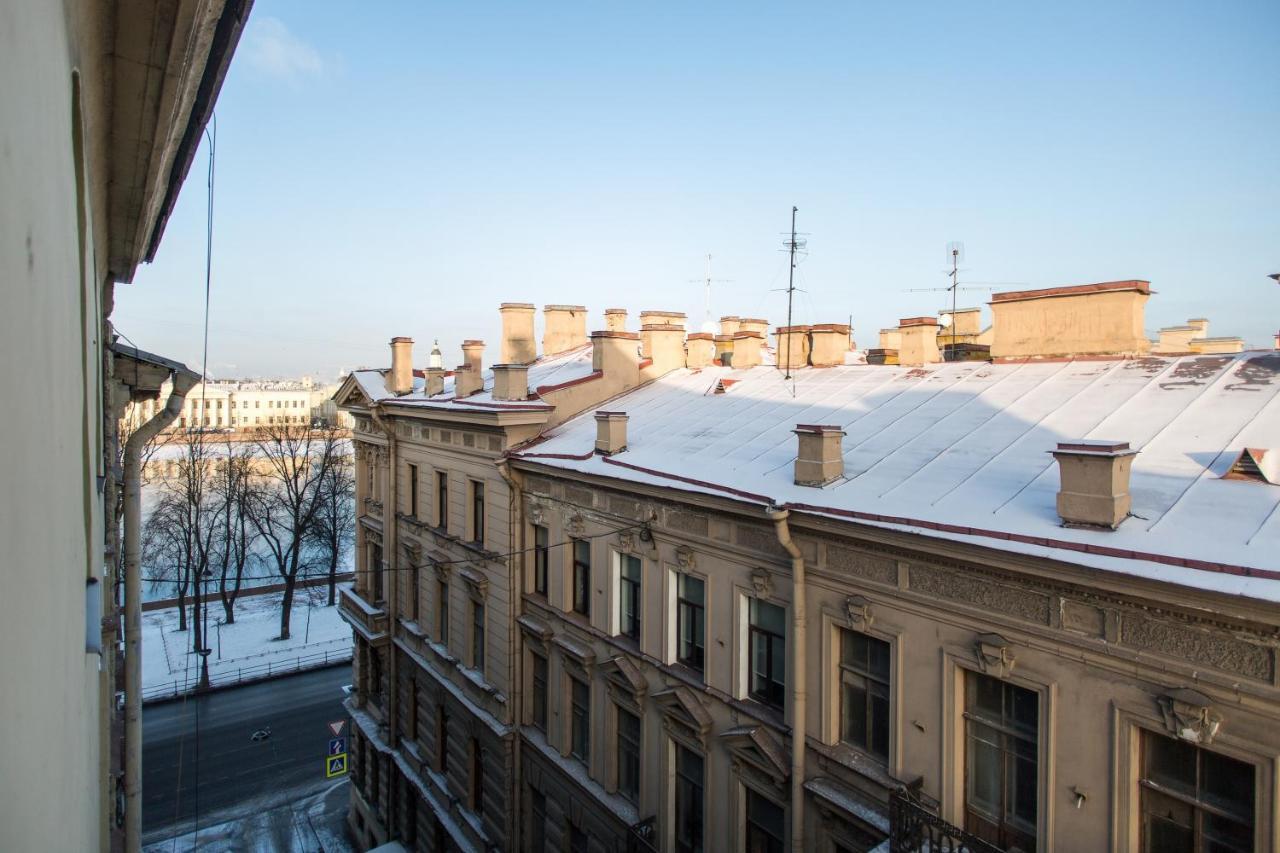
x,y
228,677
915,829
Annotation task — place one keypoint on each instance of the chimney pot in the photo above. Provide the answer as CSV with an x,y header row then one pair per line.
x,y
510,382
611,432
518,345
400,380
819,457
1094,488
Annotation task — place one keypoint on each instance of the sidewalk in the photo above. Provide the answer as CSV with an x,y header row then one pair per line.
x,y
245,650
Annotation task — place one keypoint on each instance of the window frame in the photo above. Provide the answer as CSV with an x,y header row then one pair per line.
x,y
629,625
539,690
442,501
775,644
579,748
580,578
541,558
476,488
442,612
698,845
681,605
477,635
1009,737
630,791
413,490
843,669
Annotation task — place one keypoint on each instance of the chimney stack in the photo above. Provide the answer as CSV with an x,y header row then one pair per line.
x,y
565,328
511,382
667,318
615,319
730,325
664,344
792,346
819,458
470,376
518,344
1061,322
747,348
700,349
1094,482
830,342
400,379
724,349
753,324
435,381
613,354
919,341
611,432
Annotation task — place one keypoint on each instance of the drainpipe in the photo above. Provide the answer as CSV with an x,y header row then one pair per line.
x,y
798,692
183,381
515,592
391,554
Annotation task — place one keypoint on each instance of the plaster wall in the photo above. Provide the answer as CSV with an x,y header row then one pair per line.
x,y
1107,322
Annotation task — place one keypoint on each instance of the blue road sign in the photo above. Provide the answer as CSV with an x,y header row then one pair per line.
x,y
337,745
335,765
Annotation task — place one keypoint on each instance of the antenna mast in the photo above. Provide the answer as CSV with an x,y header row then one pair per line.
x,y
791,246
708,324
955,251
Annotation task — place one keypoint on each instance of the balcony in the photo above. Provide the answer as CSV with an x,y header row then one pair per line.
x,y
915,829
369,622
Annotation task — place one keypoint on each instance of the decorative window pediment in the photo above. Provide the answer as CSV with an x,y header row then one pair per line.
x,y
477,584
995,654
1190,715
756,748
625,676
686,557
858,611
576,652
762,582
534,628
683,712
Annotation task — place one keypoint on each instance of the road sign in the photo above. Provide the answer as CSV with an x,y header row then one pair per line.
x,y
337,745
337,726
335,765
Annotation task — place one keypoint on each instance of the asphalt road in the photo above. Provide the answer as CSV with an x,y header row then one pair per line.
x,y
234,771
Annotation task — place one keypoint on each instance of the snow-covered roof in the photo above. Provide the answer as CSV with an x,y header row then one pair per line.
x,y
961,451
547,372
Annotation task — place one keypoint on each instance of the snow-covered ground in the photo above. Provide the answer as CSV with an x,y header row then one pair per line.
x,y
246,649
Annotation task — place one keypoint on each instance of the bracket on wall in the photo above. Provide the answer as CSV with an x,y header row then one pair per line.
x,y
686,557
1189,715
763,582
995,654
858,609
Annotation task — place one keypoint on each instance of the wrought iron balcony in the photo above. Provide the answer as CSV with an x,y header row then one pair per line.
x,y
915,829
642,837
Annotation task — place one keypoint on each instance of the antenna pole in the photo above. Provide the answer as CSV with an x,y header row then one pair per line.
x,y
955,280
708,312
791,286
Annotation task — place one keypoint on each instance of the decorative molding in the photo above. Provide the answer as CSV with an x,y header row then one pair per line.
x,y
627,541
575,524
477,583
762,581
858,611
995,654
537,512
686,557
1189,715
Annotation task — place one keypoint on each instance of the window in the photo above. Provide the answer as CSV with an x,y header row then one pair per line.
x,y
538,696
477,636
582,577
477,776
629,568
537,822
375,569
1194,799
689,781
691,628
1001,758
580,721
766,652
442,739
413,711
766,824
864,693
442,500
628,755
413,490
442,614
541,559
477,512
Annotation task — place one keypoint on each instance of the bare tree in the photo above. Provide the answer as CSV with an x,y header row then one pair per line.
x,y
295,461
334,529
236,535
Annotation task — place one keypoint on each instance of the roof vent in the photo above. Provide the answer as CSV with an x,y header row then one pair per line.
x,y
1095,482
611,432
1256,463
819,458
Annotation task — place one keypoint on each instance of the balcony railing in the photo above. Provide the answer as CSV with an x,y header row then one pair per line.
x,y
642,837
915,829
369,621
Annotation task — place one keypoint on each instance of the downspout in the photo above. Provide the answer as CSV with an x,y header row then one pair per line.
x,y
515,591
183,381
798,674
391,554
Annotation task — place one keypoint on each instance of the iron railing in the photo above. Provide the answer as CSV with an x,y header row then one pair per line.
x,y
642,837
243,675
915,829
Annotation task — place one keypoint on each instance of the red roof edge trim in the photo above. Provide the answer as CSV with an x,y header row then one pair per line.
x,y
547,389
691,481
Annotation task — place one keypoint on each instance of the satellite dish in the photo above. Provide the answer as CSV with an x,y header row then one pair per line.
x,y
945,321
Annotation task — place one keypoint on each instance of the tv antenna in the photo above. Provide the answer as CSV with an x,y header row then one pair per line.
x,y
794,246
955,254
708,324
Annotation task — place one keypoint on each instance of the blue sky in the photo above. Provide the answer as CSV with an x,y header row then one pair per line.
x,y
390,169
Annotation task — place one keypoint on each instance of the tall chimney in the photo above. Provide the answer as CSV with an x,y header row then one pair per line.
x,y
1061,322
615,319
819,460
668,318
919,341
614,354
400,379
753,324
1095,482
565,328
435,381
470,376
700,349
830,342
518,344
510,382
747,348
665,345
792,346
730,325
611,432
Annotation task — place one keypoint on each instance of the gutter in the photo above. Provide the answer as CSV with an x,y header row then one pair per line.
x,y
183,381
798,673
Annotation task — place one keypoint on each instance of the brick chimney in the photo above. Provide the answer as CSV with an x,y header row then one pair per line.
x,y
891,339
1094,482
614,355
828,344
518,343
400,378
565,327
919,341
664,343
818,457
1061,322
723,349
615,319
747,349
729,325
435,381
611,432
669,318
792,346
511,382
700,349
470,376
754,324
1175,339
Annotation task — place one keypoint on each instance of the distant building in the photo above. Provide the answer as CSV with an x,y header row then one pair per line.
x,y
241,405
642,593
